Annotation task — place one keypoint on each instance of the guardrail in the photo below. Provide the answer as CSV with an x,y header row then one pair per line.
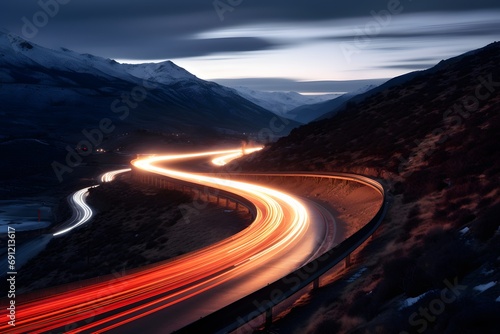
x,y
262,301
203,192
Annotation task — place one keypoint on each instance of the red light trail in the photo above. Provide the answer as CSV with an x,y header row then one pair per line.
x,y
280,223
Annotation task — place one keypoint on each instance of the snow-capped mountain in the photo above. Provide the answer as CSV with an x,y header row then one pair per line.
x,y
53,101
281,102
17,52
62,92
165,72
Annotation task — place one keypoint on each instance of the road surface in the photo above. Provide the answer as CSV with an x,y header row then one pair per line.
x,y
171,294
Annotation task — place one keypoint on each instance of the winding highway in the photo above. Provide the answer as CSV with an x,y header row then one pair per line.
x,y
81,211
286,233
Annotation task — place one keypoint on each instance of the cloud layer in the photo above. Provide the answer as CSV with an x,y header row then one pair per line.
x,y
165,29
259,38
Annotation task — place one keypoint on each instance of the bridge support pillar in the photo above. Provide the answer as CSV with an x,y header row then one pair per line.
x,y
348,261
316,284
269,318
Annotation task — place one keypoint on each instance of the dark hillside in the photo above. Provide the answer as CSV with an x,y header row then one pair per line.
x,y
404,128
434,141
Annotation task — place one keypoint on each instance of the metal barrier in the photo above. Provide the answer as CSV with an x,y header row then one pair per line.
x,y
203,192
262,301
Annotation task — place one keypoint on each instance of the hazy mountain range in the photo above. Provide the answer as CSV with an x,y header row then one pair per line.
x,y
282,103
61,91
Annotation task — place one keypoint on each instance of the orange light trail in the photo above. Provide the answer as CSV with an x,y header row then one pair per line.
x,y
281,220
225,159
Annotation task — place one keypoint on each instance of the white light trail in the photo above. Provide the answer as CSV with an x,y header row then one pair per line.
x,y
280,225
83,212
110,176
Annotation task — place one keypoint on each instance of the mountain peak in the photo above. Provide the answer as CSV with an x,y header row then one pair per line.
x,y
165,72
10,40
85,86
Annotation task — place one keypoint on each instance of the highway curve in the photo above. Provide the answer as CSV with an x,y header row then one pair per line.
x,y
82,213
167,296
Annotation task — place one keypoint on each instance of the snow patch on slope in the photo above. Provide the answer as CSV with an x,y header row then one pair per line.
x,y
165,72
18,52
484,287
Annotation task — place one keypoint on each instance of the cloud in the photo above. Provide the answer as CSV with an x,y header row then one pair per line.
x,y
181,48
154,28
301,39
281,84
445,30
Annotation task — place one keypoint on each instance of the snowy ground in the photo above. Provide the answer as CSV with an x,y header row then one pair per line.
x,y
23,215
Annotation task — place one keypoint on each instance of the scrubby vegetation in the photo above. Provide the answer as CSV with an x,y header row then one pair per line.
x,y
135,226
437,151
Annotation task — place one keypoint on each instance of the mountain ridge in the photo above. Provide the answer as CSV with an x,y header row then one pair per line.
x,y
58,96
396,81
432,139
179,98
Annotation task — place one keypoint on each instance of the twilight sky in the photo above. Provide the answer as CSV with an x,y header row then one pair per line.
x,y
286,45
